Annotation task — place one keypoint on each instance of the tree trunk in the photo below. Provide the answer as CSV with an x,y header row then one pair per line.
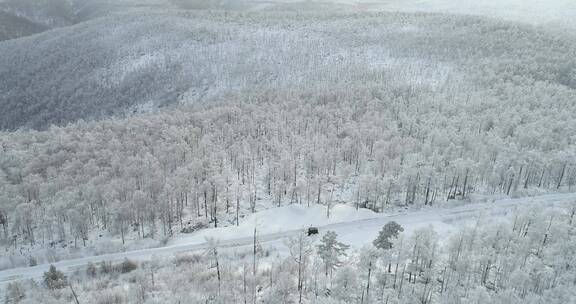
x,y
368,283
561,176
74,294
510,185
465,184
237,211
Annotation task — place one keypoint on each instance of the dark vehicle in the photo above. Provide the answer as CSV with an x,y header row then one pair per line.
x,y
312,231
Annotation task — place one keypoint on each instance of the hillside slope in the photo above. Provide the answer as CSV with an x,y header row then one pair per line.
x,y
20,18
141,60
12,26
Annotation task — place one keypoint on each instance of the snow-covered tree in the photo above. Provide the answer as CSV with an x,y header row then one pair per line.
x,y
331,251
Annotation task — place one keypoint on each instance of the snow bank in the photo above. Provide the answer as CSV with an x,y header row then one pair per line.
x,y
278,220
298,216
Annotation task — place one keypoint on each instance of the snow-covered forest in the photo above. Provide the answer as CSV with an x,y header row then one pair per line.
x,y
528,259
429,113
140,61
136,125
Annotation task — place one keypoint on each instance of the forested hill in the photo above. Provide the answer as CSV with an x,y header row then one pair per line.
x,y
12,26
127,124
142,60
20,18
376,110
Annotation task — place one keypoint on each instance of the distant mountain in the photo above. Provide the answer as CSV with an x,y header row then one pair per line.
x,y
49,13
119,64
140,59
12,26
19,18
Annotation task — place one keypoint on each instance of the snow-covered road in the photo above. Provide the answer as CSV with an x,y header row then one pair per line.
x,y
356,232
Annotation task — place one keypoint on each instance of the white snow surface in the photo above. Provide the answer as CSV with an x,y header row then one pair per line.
x,y
356,228
279,220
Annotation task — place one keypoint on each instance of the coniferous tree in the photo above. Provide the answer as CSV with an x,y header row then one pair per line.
x,y
55,279
387,234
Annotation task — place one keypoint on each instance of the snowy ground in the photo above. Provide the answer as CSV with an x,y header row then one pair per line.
x,y
356,228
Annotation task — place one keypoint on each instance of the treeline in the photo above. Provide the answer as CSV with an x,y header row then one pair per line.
x,y
527,259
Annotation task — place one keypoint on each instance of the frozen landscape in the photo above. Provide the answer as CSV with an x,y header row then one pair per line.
x,y
287,151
